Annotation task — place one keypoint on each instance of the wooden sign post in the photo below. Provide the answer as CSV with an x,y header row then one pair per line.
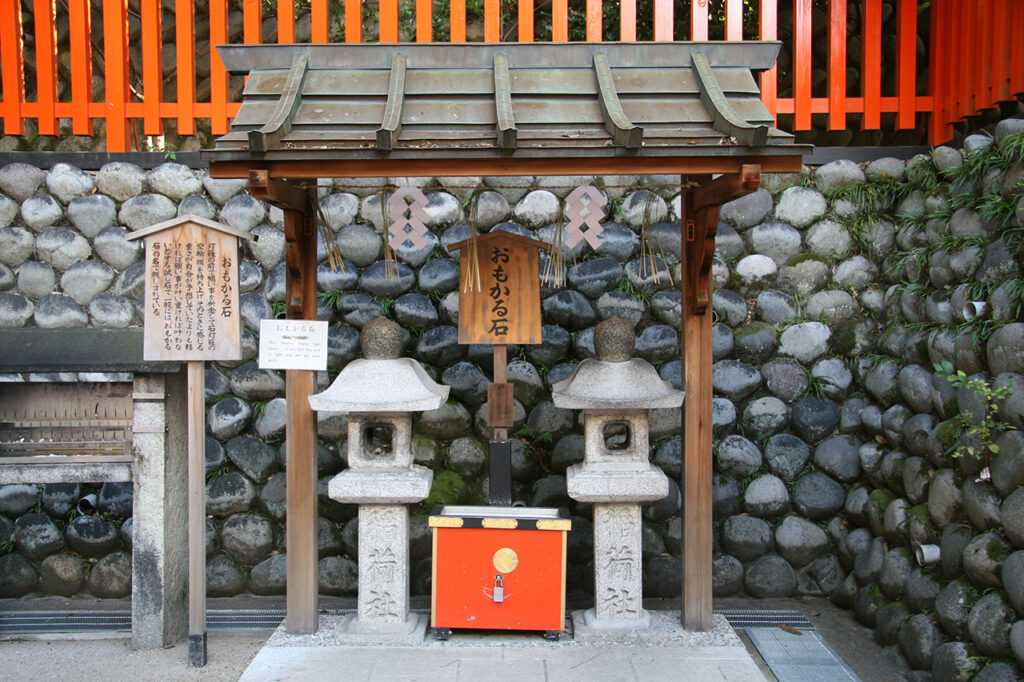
x,y
192,315
499,304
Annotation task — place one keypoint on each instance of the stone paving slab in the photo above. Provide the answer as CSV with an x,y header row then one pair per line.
x,y
471,655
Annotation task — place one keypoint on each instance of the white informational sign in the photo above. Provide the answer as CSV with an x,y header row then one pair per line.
x,y
293,344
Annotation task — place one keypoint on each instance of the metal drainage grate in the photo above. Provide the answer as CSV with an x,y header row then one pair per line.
x,y
743,619
40,622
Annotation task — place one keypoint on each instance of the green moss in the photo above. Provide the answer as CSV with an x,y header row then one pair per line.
x,y
996,550
749,329
448,488
881,497
796,260
946,434
844,337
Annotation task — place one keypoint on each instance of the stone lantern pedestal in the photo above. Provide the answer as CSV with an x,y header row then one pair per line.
x,y
379,392
616,393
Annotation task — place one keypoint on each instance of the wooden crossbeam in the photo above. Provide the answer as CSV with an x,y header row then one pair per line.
x,y
728,187
624,133
280,122
723,116
391,126
281,193
503,104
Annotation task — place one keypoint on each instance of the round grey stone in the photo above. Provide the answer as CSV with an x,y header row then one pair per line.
x,y
17,498
58,310
667,308
567,451
1017,641
253,457
805,342
786,455
887,168
814,419
770,576
91,536
526,381
726,496
734,380
569,309
981,504
738,456
775,307
40,211
746,537
36,536
748,210
17,576
270,575
16,245
229,494
730,307
627,306
800,206
468,384
174,180
61,248
1008,466
817,496
658,343
9,210
918,639
838,174
1012,515
785,379
832,307
111,576
537,208
989,625
20,180
62,574
15,310
953,662
223,579
111,311
439,346
921,591
983,558
723,342
839,457
111,245
447,422
337,576
804,277
248,538
620,242
82,281
778,241
145,210
799,541
92,213
595,277
726,576
766,497
894,573
243,212
1005,349
197,205
855,272
228,418
466,457
642,206
120,180
222,189
764,416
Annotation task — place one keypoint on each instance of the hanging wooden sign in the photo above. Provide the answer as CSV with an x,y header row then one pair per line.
x,y
191,307
502,306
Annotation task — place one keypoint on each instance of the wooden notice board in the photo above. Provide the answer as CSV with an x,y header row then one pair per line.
x,y
505,308
192,308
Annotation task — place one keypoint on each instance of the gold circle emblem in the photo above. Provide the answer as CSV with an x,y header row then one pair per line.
x,y
506,560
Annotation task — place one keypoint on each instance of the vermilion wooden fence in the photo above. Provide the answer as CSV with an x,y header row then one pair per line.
x,y
975,54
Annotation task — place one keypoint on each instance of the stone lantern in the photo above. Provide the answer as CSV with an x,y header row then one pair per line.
x,y
379,392
616,392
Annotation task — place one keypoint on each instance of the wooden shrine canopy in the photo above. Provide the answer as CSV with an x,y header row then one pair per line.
x,y
542,109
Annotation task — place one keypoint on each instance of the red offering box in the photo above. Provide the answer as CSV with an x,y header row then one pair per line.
x,y
499,568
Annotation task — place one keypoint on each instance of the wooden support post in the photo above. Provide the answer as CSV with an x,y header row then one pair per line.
x,y
499,418
300,431
196,514
697,461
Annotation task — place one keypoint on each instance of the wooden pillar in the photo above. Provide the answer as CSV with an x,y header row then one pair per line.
x,y
300,431
697,459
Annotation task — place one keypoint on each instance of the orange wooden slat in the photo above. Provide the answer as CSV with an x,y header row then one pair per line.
x,y
871,68
837,65
938,73
252,21
734,19
1017,49
802,63
968,64
424,20
560,21
388,13
984,13
768,29
627,20
492,21
185,44
664,20
115,72
354,20
1003,56
285,21
698,20
319,19
46,64
152,66
906,66
12,66
218,74
80,42
854,105
594,21
526,21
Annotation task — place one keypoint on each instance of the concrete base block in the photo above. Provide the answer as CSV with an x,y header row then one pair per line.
x,y
664,629
611,482
412,631
592,622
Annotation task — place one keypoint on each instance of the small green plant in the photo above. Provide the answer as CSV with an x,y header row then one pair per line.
x,y
279,308
981,431
6,547
214,474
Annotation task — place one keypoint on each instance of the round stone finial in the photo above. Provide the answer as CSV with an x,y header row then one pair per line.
x,y
614,340
381,339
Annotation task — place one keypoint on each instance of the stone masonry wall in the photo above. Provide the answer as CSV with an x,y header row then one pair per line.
x,y
835,438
